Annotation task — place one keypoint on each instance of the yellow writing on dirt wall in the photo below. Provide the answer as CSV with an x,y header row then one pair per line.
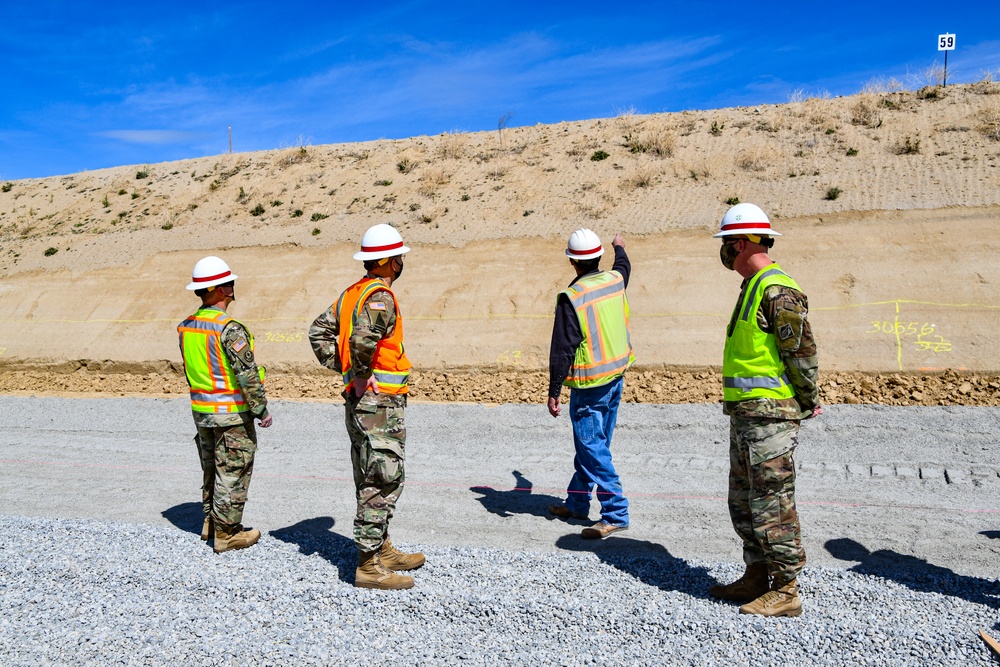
x,y
927,339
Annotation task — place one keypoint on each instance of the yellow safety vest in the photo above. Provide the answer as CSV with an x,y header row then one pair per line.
x,y
751,365
209,374
606,350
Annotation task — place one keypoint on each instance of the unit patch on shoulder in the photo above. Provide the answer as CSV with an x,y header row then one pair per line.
x,y
376,305
239,345
785,331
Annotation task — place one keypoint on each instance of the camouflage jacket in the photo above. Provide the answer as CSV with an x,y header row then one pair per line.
x,y
236,337
377,320
784,310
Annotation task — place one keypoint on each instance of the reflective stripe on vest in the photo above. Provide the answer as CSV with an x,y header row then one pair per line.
x,y
746,384
751,365
210,377
602,309
390,367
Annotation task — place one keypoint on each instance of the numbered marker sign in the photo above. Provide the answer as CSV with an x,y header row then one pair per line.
x,y
946,42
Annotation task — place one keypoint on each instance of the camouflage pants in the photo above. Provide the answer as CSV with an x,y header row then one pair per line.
x,y
762,493
226,454
378,437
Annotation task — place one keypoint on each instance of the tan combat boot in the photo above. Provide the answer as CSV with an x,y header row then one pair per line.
x,y
749,587
397,560
372,574
228,538
779,601
206,528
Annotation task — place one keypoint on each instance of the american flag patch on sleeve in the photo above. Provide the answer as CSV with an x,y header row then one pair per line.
x,y
239,345
376,305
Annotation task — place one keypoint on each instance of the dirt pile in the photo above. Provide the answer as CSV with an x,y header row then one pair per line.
x,y
485,385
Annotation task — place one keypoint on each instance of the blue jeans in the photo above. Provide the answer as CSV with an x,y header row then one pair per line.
x,y
594,412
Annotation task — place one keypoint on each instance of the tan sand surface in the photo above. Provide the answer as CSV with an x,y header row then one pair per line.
x,y
900,268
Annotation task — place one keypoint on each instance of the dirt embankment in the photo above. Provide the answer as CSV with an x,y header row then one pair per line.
x,y
484,385
888,203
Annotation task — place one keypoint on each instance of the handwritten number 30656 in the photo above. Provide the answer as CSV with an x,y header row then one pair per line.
x,y
901,328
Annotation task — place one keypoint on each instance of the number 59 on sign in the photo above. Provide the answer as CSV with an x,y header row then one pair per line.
x,y
946,42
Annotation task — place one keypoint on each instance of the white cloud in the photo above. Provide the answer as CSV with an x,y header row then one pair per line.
x,y
154,137
425,87
972,62
526,70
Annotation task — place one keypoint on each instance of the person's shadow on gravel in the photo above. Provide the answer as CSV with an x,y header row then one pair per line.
x,y
186,516
992,534
313,536
519,500
915,573
648,562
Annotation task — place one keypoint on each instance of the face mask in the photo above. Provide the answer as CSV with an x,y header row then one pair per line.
x,y
728,254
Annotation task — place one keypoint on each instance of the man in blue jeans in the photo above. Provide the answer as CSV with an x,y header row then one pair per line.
x,y
590,352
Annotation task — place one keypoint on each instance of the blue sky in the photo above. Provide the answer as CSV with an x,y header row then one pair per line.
x,y
92,85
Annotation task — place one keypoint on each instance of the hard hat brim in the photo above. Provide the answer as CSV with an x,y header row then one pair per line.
x,y
192,286
744,232
363,256
591,255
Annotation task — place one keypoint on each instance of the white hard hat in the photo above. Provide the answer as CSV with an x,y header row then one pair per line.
x,y
381,241
584,244
209,272
745,219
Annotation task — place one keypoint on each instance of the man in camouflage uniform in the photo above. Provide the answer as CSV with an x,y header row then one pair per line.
x,y
361,337
227,393
770,374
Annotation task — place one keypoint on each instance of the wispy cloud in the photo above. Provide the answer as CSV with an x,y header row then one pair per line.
x,y
529,72
78,89
423,88
976,60
311,50
154,137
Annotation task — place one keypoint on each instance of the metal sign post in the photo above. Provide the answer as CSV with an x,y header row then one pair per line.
x,y
946,43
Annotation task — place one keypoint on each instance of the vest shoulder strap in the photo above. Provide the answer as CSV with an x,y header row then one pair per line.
x,y
367,291
762,281
593,287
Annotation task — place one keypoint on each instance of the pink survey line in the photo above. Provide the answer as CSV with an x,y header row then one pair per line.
x,y
451,485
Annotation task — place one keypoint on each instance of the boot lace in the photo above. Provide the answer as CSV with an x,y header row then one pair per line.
x,y
771,598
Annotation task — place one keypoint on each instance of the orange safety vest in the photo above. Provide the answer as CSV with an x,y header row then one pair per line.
x,y
390,367
209,375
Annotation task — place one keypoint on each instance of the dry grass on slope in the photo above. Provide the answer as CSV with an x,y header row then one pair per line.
x,y
644,174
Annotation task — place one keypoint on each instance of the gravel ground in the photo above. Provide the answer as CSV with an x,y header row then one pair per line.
x,y
77,592
100,562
